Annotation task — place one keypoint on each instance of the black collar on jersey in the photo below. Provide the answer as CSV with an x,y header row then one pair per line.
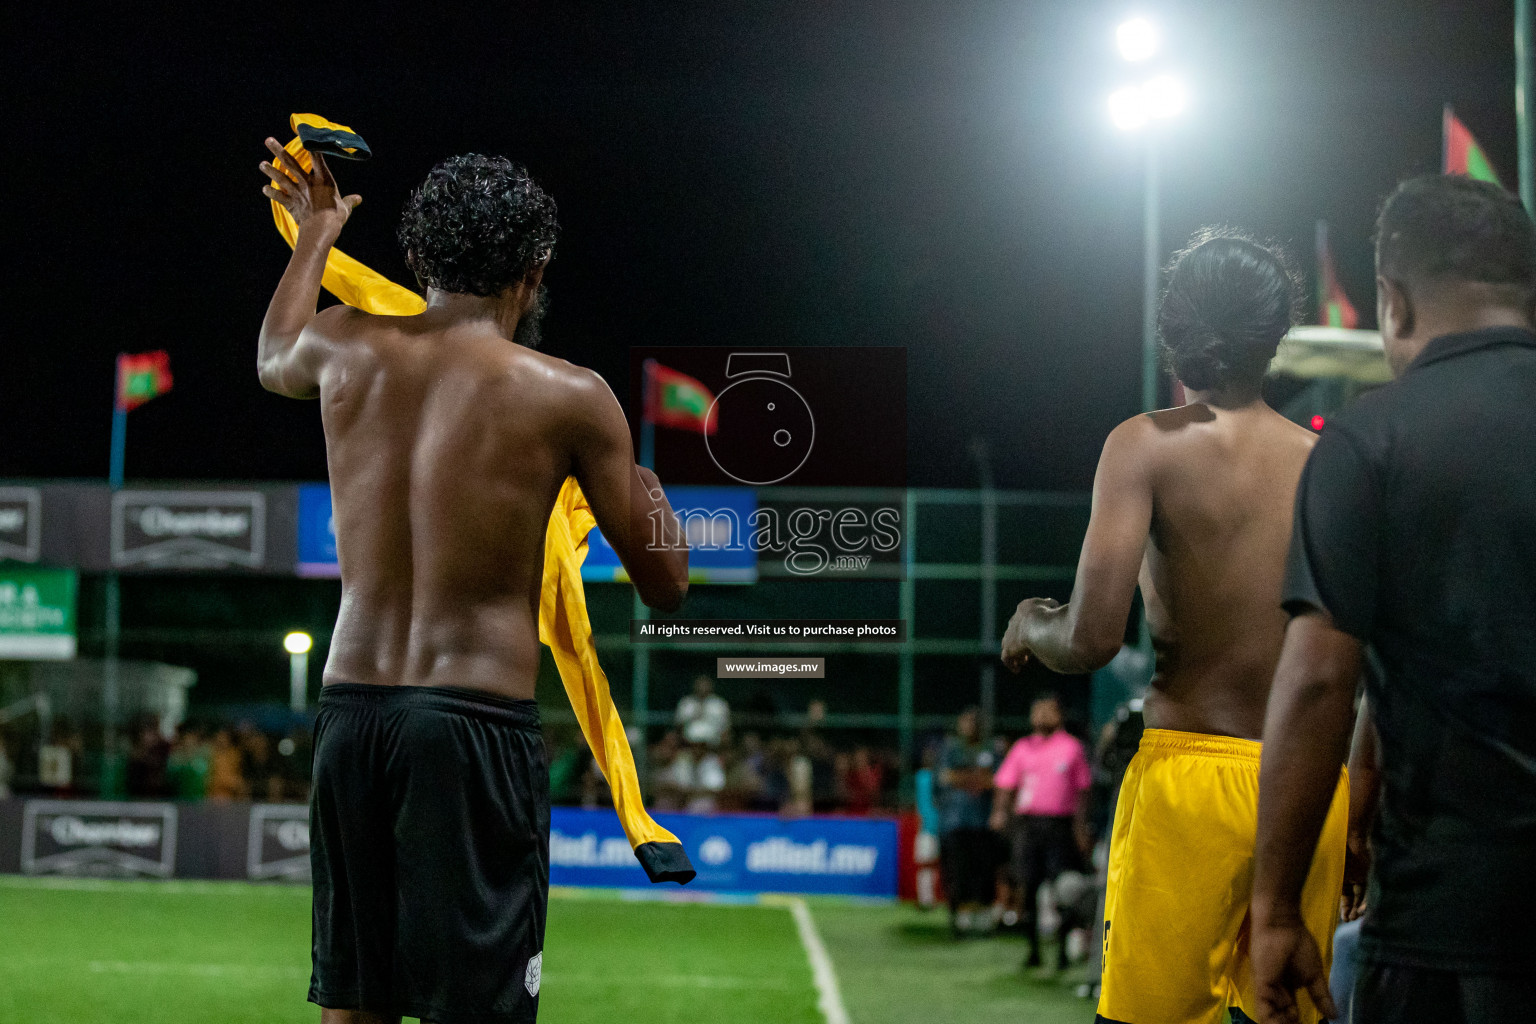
x,y
1448,346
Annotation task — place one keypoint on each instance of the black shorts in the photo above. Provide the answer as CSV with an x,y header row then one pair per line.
x,y
1392,994
429,840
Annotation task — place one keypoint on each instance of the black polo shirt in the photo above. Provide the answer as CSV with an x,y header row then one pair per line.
x,y
1416,531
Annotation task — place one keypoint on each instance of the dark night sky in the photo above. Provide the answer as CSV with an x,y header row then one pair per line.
x,y
939,175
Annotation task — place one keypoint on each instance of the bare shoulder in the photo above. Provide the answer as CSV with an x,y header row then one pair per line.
x,y
1131,455
582,390
342,331
1293,436
340,322
1146,434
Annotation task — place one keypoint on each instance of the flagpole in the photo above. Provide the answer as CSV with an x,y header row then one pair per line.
x,y
1151,229
647,424
1445,139
113,602
1525,82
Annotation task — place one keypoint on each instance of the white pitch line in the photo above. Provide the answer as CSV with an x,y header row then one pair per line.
x,y
164,886
830,996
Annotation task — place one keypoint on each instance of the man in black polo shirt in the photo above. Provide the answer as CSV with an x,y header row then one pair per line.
x,y
1415,534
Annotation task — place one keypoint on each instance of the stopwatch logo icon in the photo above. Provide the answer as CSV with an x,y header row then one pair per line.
x,y
765,428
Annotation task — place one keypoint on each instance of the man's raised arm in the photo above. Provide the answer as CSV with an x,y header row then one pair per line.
x,y
627,500
284,362
1086,633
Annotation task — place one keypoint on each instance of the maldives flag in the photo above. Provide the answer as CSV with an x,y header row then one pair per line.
x,y
674,399
1333,307
141,377
1462,153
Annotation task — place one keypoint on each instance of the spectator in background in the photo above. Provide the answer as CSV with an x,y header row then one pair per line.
x,y
862,783
226,774
746,779
800,775
7,771
188,764
148,761
967,849
707,783
671,767
821,777
261,778
704,720
1043,779
703,717
56,761
775,771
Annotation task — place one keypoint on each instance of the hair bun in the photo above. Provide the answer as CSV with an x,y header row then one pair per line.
x,y
1228,302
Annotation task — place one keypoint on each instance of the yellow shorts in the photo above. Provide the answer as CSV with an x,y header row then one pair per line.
x,y
1181,876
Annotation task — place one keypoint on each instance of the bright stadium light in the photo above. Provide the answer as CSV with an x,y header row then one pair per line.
x,y
1136,39
1127,109
1164,96
297,644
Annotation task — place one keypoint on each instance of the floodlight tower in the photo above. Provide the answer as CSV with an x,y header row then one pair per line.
x,y
1136,108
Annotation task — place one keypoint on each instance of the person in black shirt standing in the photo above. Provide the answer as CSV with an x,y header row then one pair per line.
x,y
1415,537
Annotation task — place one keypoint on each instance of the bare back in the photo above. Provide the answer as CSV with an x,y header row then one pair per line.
x,y
1223,484
448,443
447,447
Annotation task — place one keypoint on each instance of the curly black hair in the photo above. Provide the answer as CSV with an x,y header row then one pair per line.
x,y
1453,228
1228,302
478,224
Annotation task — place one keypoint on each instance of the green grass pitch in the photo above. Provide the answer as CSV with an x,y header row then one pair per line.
x,y
174,953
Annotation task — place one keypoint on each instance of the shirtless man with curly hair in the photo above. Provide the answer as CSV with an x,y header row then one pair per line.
x,y
448,439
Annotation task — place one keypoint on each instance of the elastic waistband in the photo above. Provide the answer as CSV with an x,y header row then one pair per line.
x,y
1200,744
475,703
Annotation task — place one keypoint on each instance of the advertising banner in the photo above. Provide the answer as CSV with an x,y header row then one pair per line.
x,y
37,613
77,837
21,523
734,853
278,842
317,532
87,526
189,529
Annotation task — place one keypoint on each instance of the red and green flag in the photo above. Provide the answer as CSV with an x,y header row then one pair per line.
x,y
1462,153
1333,307
142,377
674,399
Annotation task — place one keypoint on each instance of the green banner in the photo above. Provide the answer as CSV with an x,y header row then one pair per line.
x,y
37,613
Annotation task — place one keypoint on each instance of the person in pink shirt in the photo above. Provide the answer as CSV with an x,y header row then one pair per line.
x,y
1042,782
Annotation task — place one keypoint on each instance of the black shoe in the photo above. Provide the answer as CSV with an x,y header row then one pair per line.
x,y
1033,960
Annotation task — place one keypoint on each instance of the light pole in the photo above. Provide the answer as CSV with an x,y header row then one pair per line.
x,y
1133,108
297,644
1525,84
